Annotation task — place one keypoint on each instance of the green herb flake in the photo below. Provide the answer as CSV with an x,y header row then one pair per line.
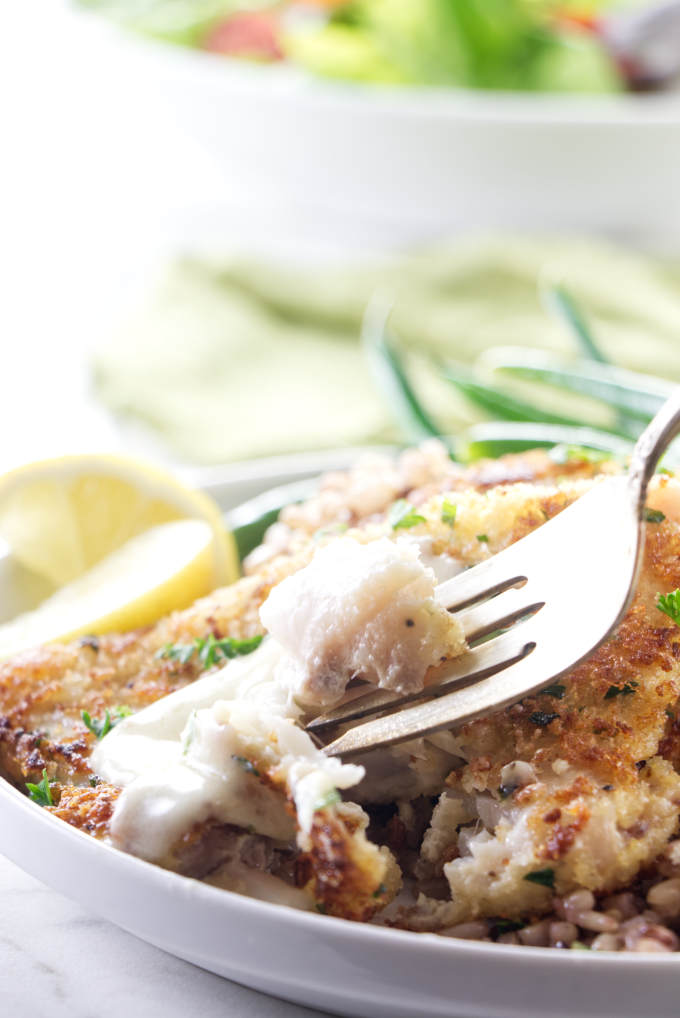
x,y
482,538
654,516
669,604
209,649
669,713
379,891
557,690
330,799
102,727
402,515
449,510
546,877
578,945
321,908
246,765
541,719
627,689
40,793
181,652
97,727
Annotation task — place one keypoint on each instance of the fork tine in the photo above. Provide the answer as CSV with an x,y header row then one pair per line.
x,y
481,581
465,703
476,664
371,702
497,613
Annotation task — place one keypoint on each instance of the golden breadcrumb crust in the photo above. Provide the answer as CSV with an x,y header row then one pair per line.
x,y
612,730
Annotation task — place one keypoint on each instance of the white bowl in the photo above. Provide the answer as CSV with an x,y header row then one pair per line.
x,y
417,163
340,966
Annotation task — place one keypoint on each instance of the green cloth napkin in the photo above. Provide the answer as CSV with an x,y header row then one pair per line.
x,y
243,358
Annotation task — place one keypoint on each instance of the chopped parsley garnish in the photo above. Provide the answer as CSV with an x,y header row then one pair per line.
x,y
541,718
654,516
482,538
100,728
557,690
578,945
402,515
246,765
669,604
669,713
40,793
209,649
379,891
449,510
627,689
327,800
182,652
546,877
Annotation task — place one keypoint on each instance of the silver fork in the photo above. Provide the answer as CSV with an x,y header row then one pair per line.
x,y
530,613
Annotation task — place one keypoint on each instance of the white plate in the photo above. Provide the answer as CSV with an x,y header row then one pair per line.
x,y
339,966
343,967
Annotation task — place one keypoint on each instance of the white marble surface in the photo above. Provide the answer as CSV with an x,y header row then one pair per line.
x,y
59,961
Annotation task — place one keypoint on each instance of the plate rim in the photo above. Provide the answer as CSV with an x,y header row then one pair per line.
x,y
12,797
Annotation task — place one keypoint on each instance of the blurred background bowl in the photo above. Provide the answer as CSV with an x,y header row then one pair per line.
x,y
415,163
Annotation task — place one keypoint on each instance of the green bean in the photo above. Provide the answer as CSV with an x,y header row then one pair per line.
x,y
391,378
251,534
635,395
249,521
497,438
564,307
505,407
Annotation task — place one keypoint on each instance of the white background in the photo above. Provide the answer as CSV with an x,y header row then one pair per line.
x,y
98,188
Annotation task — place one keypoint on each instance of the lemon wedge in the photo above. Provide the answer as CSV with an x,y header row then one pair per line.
x,y
62,516
116,543
163,569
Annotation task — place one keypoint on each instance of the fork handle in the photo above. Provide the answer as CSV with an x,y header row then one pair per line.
x,y
650,447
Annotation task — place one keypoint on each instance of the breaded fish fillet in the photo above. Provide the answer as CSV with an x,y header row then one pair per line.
x,y
573,787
